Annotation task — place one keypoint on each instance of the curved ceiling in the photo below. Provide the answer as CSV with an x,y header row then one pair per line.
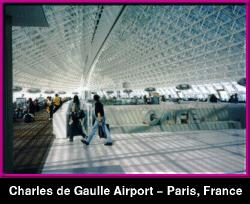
x,y
103,47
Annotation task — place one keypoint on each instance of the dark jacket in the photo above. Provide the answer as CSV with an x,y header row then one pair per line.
x,y
99,109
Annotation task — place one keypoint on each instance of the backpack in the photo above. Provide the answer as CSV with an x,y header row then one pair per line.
x,y
80,114
28,118
77,115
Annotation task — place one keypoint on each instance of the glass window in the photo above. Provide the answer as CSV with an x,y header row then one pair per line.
x,y
218,86
211,89
224,95
203,89
173,93
195,89
239,88
229,88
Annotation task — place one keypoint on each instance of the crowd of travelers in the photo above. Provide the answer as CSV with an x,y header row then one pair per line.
x,y
26,109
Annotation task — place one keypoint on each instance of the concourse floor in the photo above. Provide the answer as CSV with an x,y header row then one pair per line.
x,y
220,151
31,143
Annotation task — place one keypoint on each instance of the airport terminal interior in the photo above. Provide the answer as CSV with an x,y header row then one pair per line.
x,y
171,78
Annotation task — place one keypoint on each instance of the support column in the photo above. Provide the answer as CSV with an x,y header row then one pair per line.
x,y
8,103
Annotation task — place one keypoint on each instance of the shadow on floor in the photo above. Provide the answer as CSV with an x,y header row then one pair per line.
x,y
89,170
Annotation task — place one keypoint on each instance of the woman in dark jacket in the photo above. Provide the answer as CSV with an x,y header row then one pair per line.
x,y
76,126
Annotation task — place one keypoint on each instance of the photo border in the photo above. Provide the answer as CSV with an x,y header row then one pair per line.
x,y
129,175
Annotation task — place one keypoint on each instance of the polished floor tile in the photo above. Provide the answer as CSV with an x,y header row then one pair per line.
x,y
214,152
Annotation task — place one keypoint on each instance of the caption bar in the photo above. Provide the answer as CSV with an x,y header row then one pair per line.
x,y
125,191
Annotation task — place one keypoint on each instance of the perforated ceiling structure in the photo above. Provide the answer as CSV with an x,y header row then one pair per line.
x,y
101,47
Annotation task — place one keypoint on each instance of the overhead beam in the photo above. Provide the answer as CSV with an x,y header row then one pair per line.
x,y
100,48
27,15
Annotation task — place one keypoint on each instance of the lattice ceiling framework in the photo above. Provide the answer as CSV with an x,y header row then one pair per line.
x,y
53,57
159,46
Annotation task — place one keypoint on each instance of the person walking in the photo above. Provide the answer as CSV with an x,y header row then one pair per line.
x,y
56,103
76,116
99,123
49,108
31,107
